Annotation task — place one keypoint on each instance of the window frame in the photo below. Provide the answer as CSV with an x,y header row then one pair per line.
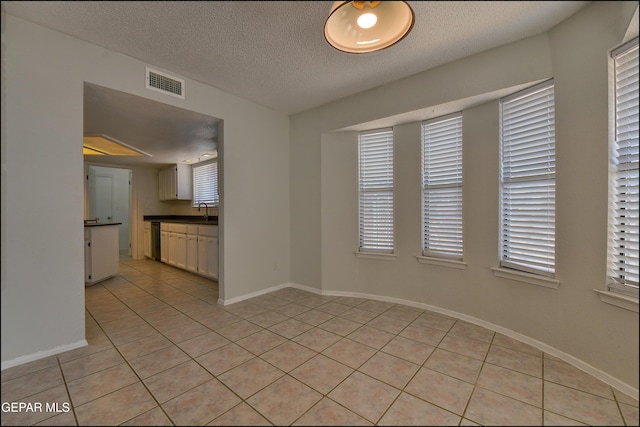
x,y
516,182
617,275
376,231
444,146
216,188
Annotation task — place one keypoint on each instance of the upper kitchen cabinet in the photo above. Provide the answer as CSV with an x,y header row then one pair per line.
x,y
175,183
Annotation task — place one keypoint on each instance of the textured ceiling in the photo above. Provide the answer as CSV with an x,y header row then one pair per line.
x,y
272,53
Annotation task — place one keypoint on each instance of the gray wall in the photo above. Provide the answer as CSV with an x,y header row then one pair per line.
x,y
571,321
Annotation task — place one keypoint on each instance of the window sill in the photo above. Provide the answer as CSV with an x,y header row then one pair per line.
x,y
520,276
442,262
376,255
622,301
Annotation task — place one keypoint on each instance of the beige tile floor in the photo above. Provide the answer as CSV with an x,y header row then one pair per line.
x,y
163,352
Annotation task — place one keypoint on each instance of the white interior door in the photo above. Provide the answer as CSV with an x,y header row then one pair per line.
x,y
104,198
109,194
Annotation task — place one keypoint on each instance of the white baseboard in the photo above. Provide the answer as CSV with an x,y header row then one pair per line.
x,y
42,354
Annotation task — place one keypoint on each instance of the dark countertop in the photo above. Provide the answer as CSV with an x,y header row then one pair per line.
x,y
191,219
93,223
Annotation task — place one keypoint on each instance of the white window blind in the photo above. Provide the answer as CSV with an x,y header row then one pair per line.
x,y
205,183
623,252
442,187
528,178
376,190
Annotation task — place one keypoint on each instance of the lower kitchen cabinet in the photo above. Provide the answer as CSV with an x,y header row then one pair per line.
x,y
191,247
101,252
172,247
147,239
164,244
208,256
181,249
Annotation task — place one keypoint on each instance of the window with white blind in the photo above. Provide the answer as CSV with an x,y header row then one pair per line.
x,y
528,180
375,159
442,187
623,218
205,183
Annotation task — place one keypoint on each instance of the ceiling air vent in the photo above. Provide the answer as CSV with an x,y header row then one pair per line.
x,y
161,82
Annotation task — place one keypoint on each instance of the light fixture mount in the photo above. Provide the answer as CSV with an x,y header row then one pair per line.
x,y
367,26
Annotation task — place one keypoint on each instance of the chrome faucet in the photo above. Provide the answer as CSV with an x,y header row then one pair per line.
x,y
206,210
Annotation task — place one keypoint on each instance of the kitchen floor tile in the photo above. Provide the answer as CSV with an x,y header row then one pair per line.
x,y
288,356
489,408
175,381
407,349
284,401
441,390
389,369
408,410
162,351
290,328
516,360
202,344
365,396
321,373
455,365
201,404
154,417
101,383
250,377
317,339
373,337
564,374
32,383
578,405
117,407
350,353
511,383
240,415
224,358
95,362
158,361
329,413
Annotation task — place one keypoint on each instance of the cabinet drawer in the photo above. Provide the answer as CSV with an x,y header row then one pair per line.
x,y
192,229
208,230
178,228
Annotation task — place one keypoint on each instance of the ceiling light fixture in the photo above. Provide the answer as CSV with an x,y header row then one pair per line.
x,y
367,26
104,145
202,158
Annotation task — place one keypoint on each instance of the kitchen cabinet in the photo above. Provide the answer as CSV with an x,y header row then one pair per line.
x,y
175,183
172,246
190,247
147,240
164,242
101,252
208,255
181,250
176,243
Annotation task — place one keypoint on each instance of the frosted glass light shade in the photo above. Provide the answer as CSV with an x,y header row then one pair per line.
x,y
394,21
